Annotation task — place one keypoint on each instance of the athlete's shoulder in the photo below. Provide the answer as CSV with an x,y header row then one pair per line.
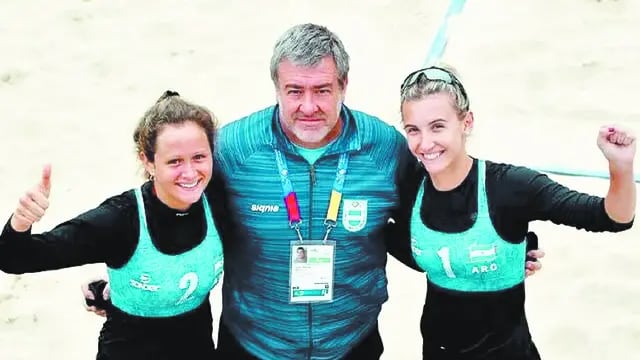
x,y
124,201
111,215
515,175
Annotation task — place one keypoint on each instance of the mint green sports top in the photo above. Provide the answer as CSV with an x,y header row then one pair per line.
x,y
153,284
477,259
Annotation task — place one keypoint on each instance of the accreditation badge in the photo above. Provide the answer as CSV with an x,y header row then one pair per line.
x,y
311,271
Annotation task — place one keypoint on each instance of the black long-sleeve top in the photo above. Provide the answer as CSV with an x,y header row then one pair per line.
x,y
109,234
479,325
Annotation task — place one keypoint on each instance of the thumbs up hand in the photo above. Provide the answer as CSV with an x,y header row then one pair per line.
x,y
33,203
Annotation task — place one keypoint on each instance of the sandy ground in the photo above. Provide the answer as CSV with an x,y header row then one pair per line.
x,y
76,75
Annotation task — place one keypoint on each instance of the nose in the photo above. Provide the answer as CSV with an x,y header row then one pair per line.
x,y
189,171
426,143
308,104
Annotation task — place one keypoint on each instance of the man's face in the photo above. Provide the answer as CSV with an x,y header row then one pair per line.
x,y
310,100
301,254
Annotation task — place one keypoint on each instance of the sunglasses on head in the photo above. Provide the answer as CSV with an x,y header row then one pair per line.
x,y
433,73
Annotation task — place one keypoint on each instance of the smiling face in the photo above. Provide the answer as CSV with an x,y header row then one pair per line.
x,y
310,99
436,132
182,164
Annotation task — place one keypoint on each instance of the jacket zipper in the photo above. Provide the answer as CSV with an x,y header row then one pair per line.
x,y
312,182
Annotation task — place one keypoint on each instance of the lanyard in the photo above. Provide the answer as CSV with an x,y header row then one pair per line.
x,y
291,199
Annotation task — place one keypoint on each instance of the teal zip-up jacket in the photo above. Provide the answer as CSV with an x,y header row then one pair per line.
x,y
256,306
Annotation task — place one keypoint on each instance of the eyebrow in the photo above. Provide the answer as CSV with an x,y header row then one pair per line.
x,y
296,86
430,123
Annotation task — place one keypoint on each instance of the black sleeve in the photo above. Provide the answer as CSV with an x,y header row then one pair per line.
x,y
532,244
100,235
217,192
546,199
397,232
228,228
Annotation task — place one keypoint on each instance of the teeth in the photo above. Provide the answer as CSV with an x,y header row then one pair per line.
x,y
432,156
189,186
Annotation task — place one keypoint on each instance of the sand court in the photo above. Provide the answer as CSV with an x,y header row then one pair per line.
x,y
542,77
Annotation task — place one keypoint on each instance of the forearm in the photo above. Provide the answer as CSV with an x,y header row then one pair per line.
x,y
403,254
13,252
620,202
398,242
23,252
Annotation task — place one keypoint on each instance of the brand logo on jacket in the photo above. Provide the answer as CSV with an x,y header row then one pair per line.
x,y
261,208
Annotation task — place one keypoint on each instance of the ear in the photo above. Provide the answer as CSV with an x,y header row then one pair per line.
x,y
467,123
344,86
149,166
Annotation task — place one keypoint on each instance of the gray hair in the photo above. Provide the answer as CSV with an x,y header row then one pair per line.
x,y
306,45
422,87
